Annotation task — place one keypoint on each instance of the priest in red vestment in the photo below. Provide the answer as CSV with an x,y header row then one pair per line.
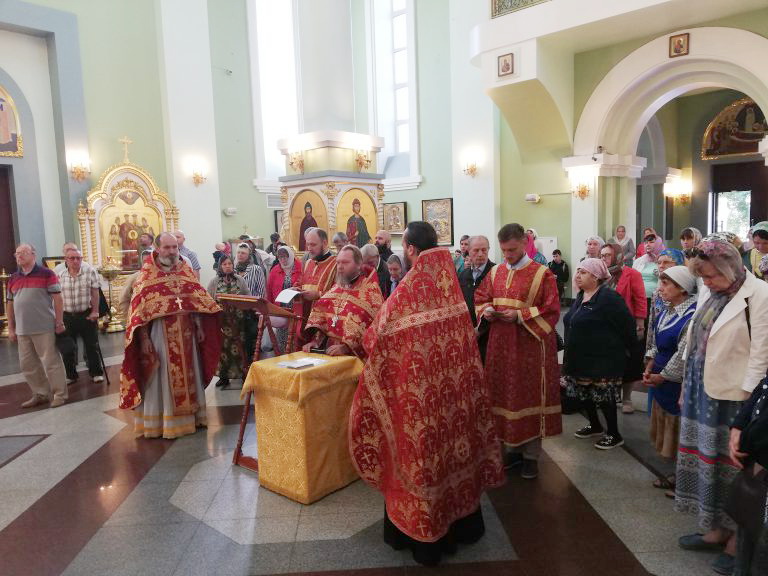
x,y
172,346
319,272
341,316
519,300
420,429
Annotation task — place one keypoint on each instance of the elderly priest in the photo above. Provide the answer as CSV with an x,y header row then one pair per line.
x,y
421,429
172,346
341,316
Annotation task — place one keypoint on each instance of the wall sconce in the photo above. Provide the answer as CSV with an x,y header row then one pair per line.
x,y
79,166
198,177
296,162
362,160
470,169
679,190
581,191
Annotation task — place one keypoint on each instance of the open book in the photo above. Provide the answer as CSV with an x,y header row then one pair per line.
x,y
302,363
286,296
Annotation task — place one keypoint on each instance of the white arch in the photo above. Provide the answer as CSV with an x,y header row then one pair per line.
x,y
634,90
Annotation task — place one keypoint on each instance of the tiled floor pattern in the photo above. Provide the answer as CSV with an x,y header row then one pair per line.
x,y
160,507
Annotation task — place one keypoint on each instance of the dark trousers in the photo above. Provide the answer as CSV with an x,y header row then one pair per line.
x,y
78,325
609,411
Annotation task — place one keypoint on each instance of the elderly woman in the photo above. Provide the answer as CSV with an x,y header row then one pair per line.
x,y
627,245
664,368
629,285
647,265
641,247
726,359
397,270
748,448
594,244
599,332
231,359
752,258
285,274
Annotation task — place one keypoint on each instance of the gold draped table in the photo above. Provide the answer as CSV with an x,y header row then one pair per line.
x,y
301,424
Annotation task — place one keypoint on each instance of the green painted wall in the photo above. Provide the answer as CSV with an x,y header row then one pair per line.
x,y
551,217
433,73
592,66
233,113
119,52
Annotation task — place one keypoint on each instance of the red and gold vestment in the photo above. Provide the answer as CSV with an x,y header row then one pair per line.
x,y
420,428
521,366
344,314
171,297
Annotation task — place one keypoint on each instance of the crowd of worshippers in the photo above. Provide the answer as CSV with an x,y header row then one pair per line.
x,y
462,376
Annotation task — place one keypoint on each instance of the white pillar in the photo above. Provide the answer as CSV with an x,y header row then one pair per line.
x,y
583,173
473,133
189,123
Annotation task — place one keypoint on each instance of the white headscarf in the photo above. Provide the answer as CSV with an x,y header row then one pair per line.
x,y
291,258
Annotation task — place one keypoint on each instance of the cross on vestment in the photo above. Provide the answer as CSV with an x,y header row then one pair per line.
x,y
178,302
422,288
125,141
414,368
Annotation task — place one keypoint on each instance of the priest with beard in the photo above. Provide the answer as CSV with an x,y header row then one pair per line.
x,y
341,316
172,346
319,272
421,429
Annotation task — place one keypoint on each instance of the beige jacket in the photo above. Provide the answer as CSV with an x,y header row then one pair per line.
x,y
735,363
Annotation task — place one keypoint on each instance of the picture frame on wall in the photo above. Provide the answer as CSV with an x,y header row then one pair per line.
x,y
506,64
395,217
279,222
679,45
439,213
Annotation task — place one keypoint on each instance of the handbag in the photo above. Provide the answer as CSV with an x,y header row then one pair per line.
x,y
746,500
103,305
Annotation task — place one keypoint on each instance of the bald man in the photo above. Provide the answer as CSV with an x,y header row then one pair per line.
x,y
186,252
383,242
373,261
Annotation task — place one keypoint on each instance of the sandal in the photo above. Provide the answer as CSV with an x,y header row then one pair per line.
x,y
665,483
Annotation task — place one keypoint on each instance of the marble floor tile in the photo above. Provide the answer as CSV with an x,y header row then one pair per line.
x,y
262,530
242,497
151,503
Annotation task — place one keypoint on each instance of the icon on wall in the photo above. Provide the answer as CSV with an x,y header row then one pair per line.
x,y
679,45
506,64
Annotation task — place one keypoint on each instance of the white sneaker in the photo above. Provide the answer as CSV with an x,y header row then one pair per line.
x,y
98,378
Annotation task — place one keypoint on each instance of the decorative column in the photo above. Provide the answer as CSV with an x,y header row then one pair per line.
x,y
590,194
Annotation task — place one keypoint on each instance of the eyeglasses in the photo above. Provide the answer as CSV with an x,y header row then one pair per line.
x,y
650,238
74,258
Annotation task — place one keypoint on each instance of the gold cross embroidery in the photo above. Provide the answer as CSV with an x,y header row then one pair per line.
x,y
178,302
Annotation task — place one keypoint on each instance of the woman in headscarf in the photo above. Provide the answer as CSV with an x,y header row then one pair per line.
x,y
599,332
231,359
629,285
759,233
627,245
664,368
689,239
641,247
726,359
646,264
397,271
254,277
537,255
594,244
285,274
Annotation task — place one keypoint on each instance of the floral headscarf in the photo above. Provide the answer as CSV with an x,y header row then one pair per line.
x,y
654,251
676,255
596,267
724,257
617,263
291,258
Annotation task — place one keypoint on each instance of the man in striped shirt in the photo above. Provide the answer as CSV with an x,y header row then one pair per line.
x,y
35,316
80,290
187,253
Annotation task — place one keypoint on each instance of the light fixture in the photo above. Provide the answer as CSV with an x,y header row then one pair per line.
x,y
296,162
470,169
362,160
581,191
79,166
679,190
198,168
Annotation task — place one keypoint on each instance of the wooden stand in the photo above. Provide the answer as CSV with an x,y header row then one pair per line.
x,y
263,309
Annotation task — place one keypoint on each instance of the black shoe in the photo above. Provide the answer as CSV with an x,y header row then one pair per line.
x,y
608,442
512,459
530,469
588,432
222,383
